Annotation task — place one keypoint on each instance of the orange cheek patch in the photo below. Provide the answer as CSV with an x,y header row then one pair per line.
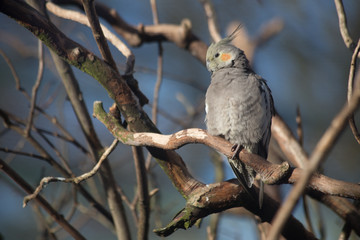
x,y
225,56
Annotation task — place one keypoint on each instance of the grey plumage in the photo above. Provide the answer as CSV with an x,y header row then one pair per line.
x,y
239,105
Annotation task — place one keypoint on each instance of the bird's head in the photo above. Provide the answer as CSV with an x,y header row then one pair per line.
x,y
224,55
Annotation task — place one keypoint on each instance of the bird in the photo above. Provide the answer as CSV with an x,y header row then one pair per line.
x,y
239,107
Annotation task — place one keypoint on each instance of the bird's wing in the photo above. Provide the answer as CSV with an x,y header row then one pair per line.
x,y
268,105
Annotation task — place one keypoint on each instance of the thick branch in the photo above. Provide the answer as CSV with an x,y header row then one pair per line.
x,y
117,88
321,150
100,39
218,197
75,96
196,47
181,34
270,173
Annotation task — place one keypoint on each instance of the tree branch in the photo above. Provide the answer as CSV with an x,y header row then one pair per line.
x,y
98,33
270,173
218,197
181,34
143,193
320,152
351,90
343,25
76,180
81,18
47,157
117,88
35,88
211,19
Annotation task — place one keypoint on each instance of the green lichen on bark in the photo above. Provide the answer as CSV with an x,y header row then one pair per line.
x,y
113,125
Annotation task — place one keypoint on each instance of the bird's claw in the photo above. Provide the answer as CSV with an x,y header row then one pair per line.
x,y
236,148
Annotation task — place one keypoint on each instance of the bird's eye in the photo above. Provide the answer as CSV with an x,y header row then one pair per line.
x,y
217,55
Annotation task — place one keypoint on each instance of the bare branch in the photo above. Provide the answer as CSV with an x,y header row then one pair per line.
x,y
350,44
13,71
321,150
217,197
35,88
100,39
270,173
351,90
143,193
343,25
288,143
81,18
24,153
180,34
293,151
46,156
159,71
211,18
76,180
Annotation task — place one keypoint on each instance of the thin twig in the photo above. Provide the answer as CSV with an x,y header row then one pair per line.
x,y
81,18
143,193
154,12
155,108
113,198
157,84
16,77
35,88
66,137
75,180
24,153
38,147
159,66
343,25
351,90
180,34
131,205
211,19
57,152
350,44
100,39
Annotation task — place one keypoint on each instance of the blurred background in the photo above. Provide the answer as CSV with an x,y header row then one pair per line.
x,y
306,65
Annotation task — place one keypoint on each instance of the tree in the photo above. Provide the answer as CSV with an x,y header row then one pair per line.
x,y
102,200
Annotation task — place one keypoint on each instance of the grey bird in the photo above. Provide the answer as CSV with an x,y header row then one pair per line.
x,y
239,107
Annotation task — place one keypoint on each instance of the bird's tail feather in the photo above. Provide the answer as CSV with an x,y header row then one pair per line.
x,y
239,169
246,176
261,193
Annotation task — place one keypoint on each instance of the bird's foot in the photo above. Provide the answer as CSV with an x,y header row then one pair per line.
x,y
236,148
